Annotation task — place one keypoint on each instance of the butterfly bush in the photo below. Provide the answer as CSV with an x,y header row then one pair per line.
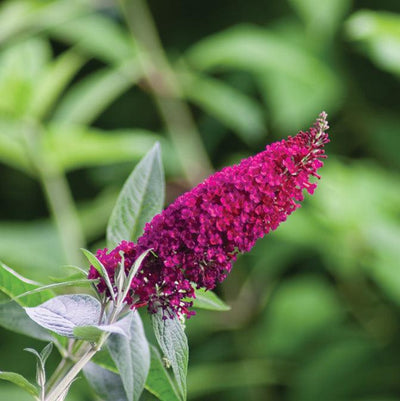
x,y
196,239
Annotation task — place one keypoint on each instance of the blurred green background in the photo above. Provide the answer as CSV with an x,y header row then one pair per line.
x,y
86,88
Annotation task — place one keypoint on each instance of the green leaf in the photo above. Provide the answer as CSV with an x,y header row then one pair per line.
x,y
211,378
13,17
106,384
132,273
88,333
378,34
20,18
46,351
63,313
172,339
21,65
301,310
83,282
321,17
284,70
253,49
71,147
93,333
132,357
100,269
97,35
41,242
12,150
52,82
13,284
140,199
103,359
236,110
13,317
20,381
158,380
209,300
41,362
86,100
340,366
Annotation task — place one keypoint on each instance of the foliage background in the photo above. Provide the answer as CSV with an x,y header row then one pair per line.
x,y
316,305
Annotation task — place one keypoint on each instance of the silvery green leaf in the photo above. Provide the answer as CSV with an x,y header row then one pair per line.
x,y
132,357
34,352
140,199
106,384
63,313
172,339
46,351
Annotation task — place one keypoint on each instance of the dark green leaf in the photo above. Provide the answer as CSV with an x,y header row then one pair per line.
x,y
82,282
20,381
93,333
140,199
13,284
209,378
103,359
158,380
209,300
299,312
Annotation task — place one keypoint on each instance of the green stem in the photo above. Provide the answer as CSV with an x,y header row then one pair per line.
x,y
62,368
167,92
64,213
65,374
64,383
58,196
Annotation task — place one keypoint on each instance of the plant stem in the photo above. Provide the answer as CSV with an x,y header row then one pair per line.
x,y
64,213
62,368
166,92
58,196
65,373
72,373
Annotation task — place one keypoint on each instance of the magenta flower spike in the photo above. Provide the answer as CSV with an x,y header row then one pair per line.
x,y
196,239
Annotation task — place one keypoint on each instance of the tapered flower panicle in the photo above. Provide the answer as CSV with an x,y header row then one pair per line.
x,y
197,238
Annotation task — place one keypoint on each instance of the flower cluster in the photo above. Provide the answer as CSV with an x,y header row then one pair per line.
x,y
198,237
